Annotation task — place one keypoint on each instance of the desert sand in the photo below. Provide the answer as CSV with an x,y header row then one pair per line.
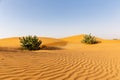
x,y
71,60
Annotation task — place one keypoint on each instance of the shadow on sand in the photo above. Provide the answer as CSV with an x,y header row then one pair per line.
x,y
8,49
51,48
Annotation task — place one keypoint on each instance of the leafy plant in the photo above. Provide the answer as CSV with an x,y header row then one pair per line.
x,y
30,42
89,39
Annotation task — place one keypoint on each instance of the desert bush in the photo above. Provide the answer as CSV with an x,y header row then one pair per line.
x,y
89,39
30,43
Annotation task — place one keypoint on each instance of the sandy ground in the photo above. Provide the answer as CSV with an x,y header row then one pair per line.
x,y
75,61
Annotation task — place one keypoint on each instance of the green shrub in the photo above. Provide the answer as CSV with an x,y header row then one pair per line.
x,y
30,42
89,39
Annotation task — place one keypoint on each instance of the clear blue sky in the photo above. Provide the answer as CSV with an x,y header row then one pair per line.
x,y
60,18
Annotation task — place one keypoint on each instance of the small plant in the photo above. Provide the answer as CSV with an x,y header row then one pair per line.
x,y
30,43
89,39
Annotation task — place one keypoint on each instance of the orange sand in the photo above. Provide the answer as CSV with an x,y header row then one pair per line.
x,y
76,61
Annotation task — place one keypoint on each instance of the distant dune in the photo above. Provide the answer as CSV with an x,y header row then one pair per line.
x,y
76,38
10,42
75,61
14,42
52,41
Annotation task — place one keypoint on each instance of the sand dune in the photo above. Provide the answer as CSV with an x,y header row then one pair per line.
x,y
10,42
14,42
76,38
53,41
76,62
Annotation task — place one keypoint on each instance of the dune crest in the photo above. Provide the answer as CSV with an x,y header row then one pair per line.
x,y
77,38
14,42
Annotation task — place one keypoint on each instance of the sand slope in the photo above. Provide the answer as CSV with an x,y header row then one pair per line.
x,y
10,42
76,38
15,42
75,62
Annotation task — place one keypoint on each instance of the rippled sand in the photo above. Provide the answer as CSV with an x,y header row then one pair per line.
x,y
74,62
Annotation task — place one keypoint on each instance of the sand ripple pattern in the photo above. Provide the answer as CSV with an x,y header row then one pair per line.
x,y
59,65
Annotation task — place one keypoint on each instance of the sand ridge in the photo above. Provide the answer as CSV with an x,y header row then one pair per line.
x,y
77,38
58,65
15,42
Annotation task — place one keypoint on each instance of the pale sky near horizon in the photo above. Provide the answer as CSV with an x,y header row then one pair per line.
x,y
60,18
